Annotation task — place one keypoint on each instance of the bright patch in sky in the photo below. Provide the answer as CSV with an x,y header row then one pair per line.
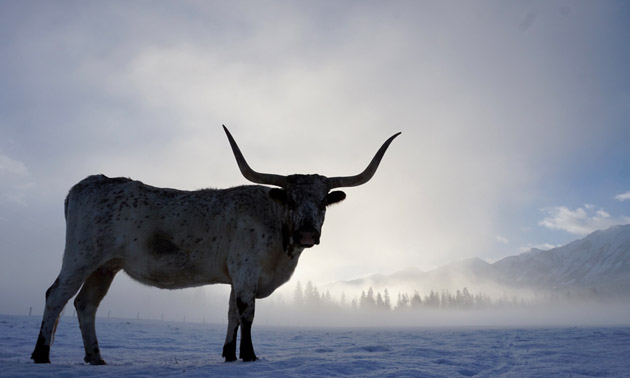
x,y
505,109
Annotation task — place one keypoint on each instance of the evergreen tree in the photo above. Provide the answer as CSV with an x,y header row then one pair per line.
x,y
387,299
370,300
433,300
316,298
298,294
327,298
311,294
344,301
380,303
416,300
403,301
354,305
363,300
467,299
446,299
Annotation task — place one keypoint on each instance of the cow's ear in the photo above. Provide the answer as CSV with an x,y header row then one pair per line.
x,y
279,195
334,197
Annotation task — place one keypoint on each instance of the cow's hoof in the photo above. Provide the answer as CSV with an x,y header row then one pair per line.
x,y
94,361
229,351
41,354
248,357
230,358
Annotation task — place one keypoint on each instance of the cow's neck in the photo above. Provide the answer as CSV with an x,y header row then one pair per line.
x,y
290,248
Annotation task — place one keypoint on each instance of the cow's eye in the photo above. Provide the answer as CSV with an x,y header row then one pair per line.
x,y
291,203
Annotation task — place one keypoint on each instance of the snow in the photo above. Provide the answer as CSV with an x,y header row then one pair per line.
x,y
144,348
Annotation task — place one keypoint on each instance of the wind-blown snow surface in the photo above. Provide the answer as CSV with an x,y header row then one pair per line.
x,y
158,349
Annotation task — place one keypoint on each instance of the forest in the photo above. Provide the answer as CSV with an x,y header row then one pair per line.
x,y
309,295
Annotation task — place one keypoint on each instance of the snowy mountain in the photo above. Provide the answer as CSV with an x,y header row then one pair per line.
x,y
598,263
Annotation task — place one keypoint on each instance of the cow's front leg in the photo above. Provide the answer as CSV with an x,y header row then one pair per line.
x,y
244,291
245,304
245,275
229,348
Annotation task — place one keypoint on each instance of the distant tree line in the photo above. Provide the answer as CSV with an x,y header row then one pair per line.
x,y
310,296
462,299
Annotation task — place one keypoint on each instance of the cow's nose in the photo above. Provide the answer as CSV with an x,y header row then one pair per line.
x,y
307,236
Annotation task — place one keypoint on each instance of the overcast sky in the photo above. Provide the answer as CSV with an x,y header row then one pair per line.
x,y
515,120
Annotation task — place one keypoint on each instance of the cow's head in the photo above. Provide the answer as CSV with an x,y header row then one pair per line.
x,y
305,197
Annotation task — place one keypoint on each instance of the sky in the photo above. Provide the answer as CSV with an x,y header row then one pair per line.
x,y
515,119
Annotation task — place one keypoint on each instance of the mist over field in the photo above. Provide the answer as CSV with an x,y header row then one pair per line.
x,y
586,282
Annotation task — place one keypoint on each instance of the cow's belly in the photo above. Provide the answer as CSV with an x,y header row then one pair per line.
x,y
176,273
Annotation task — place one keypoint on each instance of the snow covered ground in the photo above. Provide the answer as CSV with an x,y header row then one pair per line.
x,y
143,348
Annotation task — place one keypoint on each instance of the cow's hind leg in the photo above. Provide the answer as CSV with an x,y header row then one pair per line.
x,y
64,287
229,348
86,303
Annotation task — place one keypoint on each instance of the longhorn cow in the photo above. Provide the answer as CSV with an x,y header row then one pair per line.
x,y
249,237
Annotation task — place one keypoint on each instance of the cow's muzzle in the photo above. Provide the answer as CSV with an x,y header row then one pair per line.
x,y
306,237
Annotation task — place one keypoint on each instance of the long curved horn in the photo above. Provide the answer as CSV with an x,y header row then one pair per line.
x,y
250,174
366,175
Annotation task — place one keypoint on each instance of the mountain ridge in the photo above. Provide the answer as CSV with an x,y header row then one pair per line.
x,y
598,262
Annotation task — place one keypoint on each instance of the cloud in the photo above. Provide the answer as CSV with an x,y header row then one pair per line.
x,y
542,247
501,239
10,166
15,180
581,221
623,197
